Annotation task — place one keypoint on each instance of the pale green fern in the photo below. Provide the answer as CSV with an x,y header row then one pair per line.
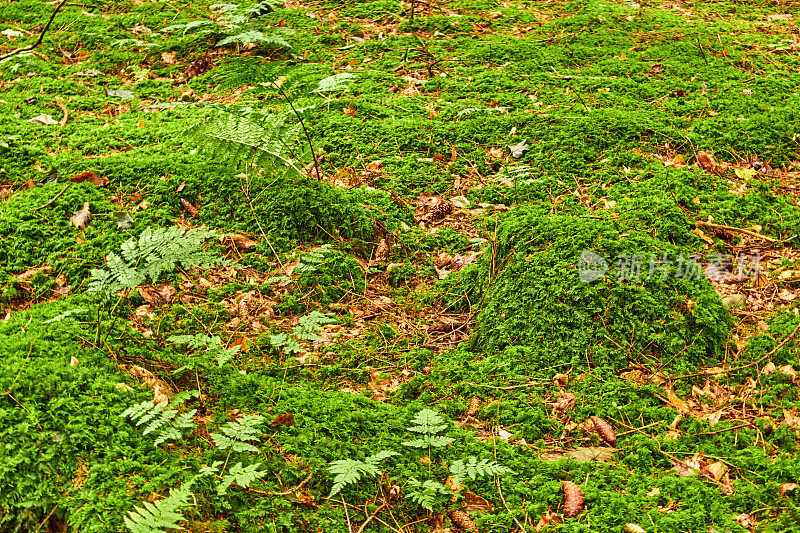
x,y
267,139
153,253
164,418
161,515
212,344
307,330
348,471
235,435
241,475
428,423
473,468
275,39
425,493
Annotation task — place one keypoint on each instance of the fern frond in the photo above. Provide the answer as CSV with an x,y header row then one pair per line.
x,y
155,252
162,515
473,468
424,493
428,422
432,441
163,417
348,471
265,138
235,435
335,83
213,345
241,475
275,39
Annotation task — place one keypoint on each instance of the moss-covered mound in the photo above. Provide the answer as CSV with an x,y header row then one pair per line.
x,y
651,305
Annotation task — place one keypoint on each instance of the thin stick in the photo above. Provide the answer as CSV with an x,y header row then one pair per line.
x,y
735,230
56,197
46,518
502,499
41,35
369,518
303,125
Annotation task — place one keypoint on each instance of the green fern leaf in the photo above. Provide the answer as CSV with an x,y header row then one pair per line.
x,y
428,422
335,83
241,475
155,252
275,39
348,471
473,468
235,435
156,518
424,493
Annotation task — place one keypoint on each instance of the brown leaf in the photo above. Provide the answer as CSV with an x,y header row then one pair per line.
x,y
180,187
787,487
283,419
382,252
565,402
81,219
547,518
192,210
476,503
91,177
242,241
573,499
157,295
605,430
707,163
168,57
791,418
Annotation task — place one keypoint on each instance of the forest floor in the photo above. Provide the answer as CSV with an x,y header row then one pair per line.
x,y
381,265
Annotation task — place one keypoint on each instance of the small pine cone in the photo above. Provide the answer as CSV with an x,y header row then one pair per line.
x,y
441,211
474,403
605,430
462,520
573,499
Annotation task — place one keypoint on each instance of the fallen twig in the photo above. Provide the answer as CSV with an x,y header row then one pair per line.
x,y
56,197
41,35
720,227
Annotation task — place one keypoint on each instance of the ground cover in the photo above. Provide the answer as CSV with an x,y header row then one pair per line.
x,y
473,265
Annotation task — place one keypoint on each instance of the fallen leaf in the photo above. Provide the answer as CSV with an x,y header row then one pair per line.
x,y
91,177
192,210
120,93
474,502
123,220
788,487
547,518
43,119
81,219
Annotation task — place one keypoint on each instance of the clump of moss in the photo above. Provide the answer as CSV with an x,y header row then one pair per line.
x,y
539,311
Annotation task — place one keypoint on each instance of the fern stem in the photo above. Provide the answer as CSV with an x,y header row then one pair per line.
x,y
302,125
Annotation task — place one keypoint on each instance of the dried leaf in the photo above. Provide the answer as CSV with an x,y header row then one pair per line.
x,y
123,220
91,177
474,502
73,361
605,430
707,163
788,487
517,150
192,210
548,518
120,93
573,499
80,219
592,453
44,120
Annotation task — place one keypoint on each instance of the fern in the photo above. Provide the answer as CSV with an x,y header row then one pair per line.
x,y
163,417
235,435
424,493
275,39
349,471
268,139
241,475
156,517
155,252
307,330
212,344
473,468
309,261
428,423
335,83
